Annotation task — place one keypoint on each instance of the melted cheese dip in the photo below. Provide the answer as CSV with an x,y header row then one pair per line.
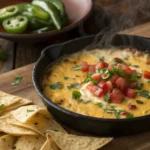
x,y
88,106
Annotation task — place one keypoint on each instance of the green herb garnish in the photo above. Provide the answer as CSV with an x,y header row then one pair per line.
x,y
148,81
75,85
144,93
29,110
76,95
99,104
139,102
1,106
17,80
107,97
89,78
66,78
133,77
56,85
129,115
76,68
139,86
102,58
136,66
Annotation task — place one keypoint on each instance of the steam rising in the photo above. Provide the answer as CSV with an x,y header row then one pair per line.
x,y
135,12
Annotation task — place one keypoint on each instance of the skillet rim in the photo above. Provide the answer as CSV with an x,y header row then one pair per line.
x,y
66,111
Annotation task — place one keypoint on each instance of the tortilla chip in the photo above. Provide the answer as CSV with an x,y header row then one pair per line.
x,y
22,102
49,144
25,113
38,123
30,143
14,130
73,142
7,100
7,142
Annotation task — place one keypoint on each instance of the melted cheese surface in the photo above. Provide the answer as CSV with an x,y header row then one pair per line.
x,y
63,68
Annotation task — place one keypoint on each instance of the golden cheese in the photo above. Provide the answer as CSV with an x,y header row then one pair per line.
x,y
63,68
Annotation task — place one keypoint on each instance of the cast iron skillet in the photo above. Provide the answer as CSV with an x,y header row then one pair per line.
x,y
91,125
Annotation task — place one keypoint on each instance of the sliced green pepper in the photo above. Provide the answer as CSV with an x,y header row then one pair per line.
x,y
45,29
52,10
8,12
16,24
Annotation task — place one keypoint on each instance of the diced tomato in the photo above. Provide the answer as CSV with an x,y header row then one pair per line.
x,y
133,85
92,88
116,96
133,71
124,113
114,78
120,66
118,60
127,70
85,66
103,86
98,92
132,107
96,76
110,67
101,65
109,86
131,93
121,83
146,74
92,68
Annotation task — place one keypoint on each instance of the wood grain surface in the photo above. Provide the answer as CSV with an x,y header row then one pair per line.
x,y
25,89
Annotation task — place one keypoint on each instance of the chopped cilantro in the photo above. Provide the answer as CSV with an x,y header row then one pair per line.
x,y
1,106
56,85
89,78
17,80
102,58
99,104
107,97
66,78
139,102
29,110
76,95
139,86
76,68
75,85
144,93
133,77
118,71
129,115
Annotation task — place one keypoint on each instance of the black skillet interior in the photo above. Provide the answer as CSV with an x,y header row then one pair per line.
x,y
91,125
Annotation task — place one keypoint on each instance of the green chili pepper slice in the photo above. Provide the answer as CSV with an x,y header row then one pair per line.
x,y
52,10
8,12
106,75
45,29
17,24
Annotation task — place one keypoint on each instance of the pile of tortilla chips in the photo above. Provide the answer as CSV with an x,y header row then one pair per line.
x,y
24,126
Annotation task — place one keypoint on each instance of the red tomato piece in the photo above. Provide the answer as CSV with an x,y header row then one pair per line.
x,y
127,70
132,107
133,71
109,86
146,74
92,68
114,78
116,96
121,83
92,88
124,113
85,66
98,92
96,76
118,60
133,85
103,86
120,66
101,65
131,93
110,67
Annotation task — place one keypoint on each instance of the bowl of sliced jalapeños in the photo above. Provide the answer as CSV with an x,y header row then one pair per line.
x,y
31,20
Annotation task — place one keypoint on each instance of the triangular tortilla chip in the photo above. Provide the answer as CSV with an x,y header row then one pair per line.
x,y
30,143
6,100
14,130
73,142
38,123
7,142
49,144
25,113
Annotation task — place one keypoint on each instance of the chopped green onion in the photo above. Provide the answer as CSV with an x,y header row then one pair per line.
x,y
139,102
75,85
76,68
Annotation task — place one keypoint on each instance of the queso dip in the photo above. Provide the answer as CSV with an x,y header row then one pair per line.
x,y
103,83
